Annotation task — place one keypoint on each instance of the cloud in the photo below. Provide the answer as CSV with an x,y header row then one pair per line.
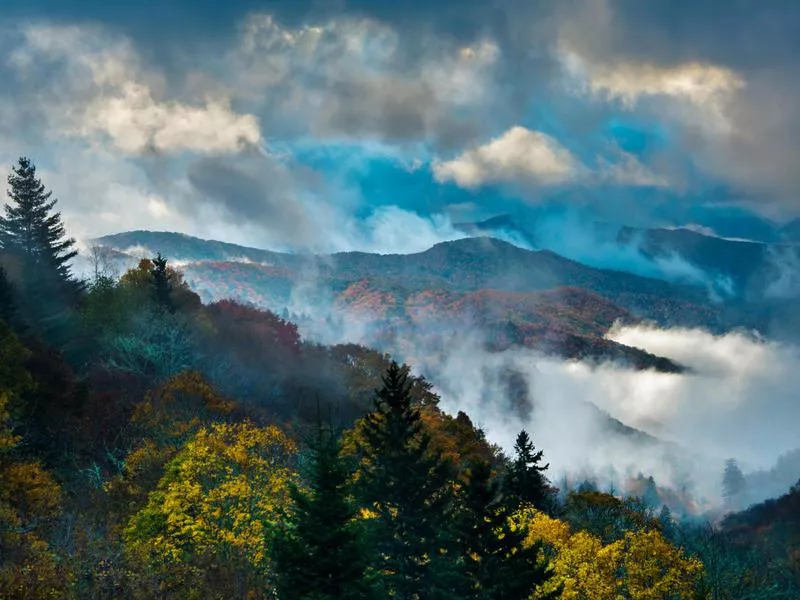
x,y
519,156
702,93
694,82
738,401
721,79
531,158
626,169
105,93
356,77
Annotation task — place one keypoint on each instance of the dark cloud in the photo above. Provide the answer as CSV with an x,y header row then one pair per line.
x,y
256,189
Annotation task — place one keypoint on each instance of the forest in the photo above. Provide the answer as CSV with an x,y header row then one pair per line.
x,y
153,446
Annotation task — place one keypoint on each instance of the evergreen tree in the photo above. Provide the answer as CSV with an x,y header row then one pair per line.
x,y
408,487
496,563
320,554
734,484
525,482
667,523
32,235
30,229
162,286
650,496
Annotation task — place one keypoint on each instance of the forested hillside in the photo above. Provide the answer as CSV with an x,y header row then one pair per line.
x,y
153,446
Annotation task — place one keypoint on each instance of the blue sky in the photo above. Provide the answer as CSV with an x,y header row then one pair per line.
x,y
376,126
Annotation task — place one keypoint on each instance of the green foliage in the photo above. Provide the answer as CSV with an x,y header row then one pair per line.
x,y
409,491
35,243
320,552
605,516
162,286
525,482
497,562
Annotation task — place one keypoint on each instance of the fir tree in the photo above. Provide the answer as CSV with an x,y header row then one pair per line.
x,y
33,236
734,484
162,286
667,523
408,487
650,496
496,562
30,229
320,554
525,482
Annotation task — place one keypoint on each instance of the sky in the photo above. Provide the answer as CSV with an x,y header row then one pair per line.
x,y
354,124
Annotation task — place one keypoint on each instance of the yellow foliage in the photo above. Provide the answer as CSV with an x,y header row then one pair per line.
x,y
29,501
8,440
218,501
174,410
641,566
656,569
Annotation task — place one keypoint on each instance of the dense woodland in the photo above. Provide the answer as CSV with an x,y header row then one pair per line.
x,y
152,446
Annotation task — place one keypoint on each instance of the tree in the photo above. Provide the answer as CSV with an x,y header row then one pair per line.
x,y
30,502
650,496
162,286
525,483
323,518
641,565
32,234
734,484
408,488
209,524
29,228
497,562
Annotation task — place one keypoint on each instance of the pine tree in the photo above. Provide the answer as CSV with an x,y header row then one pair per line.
x,y
525,483
32,235
734,484
30,229
667,523
496,562
162,286
650,496
320,555
408,487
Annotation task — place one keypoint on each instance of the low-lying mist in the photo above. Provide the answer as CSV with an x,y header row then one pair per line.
x,y
737,399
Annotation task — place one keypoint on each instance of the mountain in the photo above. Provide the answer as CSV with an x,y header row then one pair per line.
x,y
516,297
745,269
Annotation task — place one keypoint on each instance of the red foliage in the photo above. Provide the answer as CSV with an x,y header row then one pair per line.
x,y
251,331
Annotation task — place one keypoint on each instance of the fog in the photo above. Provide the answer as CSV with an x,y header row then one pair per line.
x,y
737,399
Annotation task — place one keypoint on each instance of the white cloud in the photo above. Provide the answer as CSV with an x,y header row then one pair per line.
x,y
708,89
106,93
519,156
524,157
738,401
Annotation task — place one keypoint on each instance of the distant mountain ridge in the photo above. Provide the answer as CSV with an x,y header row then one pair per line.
x,y
535,299
748,267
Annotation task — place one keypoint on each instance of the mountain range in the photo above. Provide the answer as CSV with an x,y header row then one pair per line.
x,y
514,296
